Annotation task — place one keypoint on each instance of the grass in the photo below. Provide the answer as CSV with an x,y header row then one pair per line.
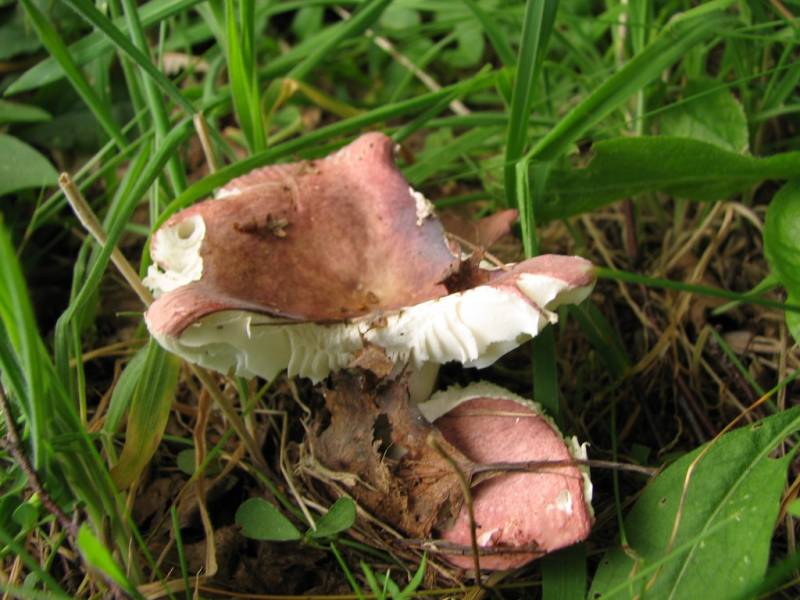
x,y
657,139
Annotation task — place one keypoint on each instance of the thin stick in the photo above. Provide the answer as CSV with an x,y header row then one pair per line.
x,y
90,222
464,482
537,465
201,126
475,248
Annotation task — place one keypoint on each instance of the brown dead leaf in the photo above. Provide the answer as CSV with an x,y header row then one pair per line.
x,y
373,358
378,436
484,232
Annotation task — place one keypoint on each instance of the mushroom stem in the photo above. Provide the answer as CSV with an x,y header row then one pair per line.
x,y
422,381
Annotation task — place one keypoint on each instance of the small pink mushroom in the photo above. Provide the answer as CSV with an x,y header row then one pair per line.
x,y
530,513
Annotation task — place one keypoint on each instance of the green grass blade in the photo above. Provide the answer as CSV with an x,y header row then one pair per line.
x,y
545,371
176,528
20,326
99,557
702,290
327,42
149,410
672,44
55,45
537,26
496,36
367,14
242,75
93,45
155,102
88,11
564,574
153,169
62,450
33,566
603,337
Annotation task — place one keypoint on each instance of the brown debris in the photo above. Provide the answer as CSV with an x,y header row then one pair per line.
x,y
485,232
373,359
381,439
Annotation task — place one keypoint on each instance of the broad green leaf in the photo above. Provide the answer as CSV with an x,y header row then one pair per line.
x,y
469,49
496,35
725,528
624,167
147,418
22,167
186,459
339,517
782,245
399,18
13,112
98,556
75,131
16,36
782,236
8,504
25,515
260,520
307,21
709,113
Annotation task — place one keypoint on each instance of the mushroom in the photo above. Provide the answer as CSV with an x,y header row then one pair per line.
x,y
304,266
527,513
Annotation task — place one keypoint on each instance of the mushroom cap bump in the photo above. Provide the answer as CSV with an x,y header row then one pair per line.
x,y
300,266
546,509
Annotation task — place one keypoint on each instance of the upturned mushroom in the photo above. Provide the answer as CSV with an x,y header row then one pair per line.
x,y
519,516
304,266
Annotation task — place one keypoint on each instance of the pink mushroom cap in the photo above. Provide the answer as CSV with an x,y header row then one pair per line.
x,y
300,266
529,513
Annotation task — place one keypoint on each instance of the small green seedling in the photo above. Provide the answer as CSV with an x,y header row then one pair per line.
x,y
384,587
261,520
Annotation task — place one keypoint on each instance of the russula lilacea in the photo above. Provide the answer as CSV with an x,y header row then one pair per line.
x,y
302,266
526,513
